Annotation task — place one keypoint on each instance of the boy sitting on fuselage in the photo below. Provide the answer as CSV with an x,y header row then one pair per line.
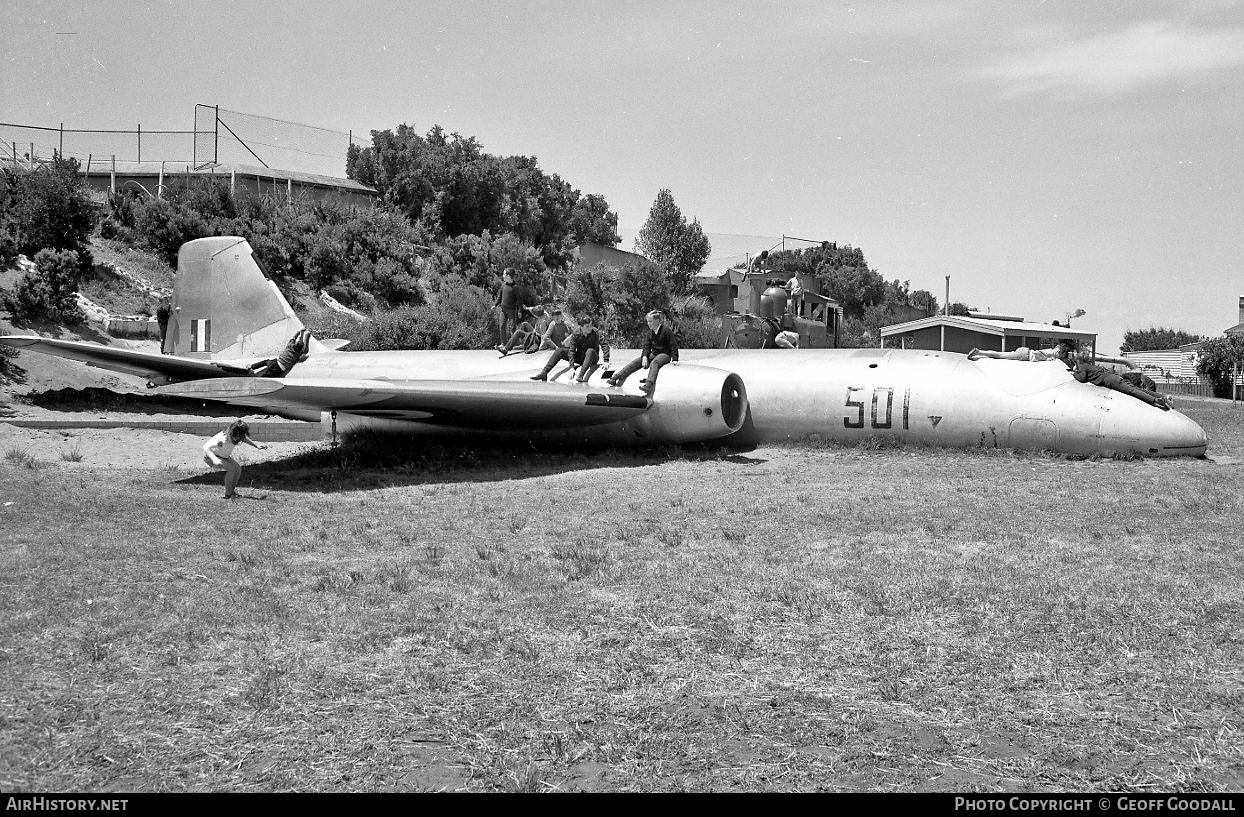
x,y
660,348
582,349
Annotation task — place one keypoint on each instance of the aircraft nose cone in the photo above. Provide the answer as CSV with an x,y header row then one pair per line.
x,y
1181,436
1143,429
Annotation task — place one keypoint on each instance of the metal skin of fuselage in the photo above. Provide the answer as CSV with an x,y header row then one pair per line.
x,y
846,395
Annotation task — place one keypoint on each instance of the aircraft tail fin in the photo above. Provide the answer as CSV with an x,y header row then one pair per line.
x,y
223,306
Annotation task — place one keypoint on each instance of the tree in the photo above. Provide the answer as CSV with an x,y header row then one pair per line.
x,y
1156,338
925,301
450,186
855,287
1219,361
669,241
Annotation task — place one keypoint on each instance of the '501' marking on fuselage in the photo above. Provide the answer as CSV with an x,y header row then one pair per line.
x,y
882,407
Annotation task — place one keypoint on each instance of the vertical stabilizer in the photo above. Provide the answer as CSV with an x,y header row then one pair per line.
x,y
223,306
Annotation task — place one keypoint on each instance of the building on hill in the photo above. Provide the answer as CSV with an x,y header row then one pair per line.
x,y
106,177
589,254
723,288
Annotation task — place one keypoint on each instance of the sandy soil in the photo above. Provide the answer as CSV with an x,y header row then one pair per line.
x,y
127,447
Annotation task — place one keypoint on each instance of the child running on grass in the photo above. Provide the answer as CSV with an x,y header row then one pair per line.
x,y
217,451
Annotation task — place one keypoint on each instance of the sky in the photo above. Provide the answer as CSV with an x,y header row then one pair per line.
x,y
1048,156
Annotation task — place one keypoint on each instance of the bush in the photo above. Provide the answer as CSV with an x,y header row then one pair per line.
x,y
393,283
698,324
372,254
48,290
460,318
8,245
325,263
9,370
50,208
165,226
119,222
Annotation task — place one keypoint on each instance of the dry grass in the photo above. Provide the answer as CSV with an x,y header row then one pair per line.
x,y
783,619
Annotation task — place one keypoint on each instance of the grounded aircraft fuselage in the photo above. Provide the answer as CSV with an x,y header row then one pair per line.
x,y
228,320
933,398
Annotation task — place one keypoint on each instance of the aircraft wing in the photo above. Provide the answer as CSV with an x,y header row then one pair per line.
x,y
476,404
145,364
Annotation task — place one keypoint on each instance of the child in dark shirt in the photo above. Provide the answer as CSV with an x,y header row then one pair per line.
x,y
660,348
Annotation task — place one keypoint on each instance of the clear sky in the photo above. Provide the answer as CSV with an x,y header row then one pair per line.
x,y
1048,156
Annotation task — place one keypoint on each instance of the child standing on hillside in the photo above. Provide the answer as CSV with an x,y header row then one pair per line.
x,y
217,451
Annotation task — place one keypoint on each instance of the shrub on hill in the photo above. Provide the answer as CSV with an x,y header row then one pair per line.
x,y
698,324
361,256
164,226
49,208
8,245
9,370
48,290
460,317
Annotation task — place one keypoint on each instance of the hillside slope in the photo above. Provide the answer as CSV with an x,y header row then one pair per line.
x,y
127,281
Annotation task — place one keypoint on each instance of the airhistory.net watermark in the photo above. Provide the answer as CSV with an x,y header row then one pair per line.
x,y
37,802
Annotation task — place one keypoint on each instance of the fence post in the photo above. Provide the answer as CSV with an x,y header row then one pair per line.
x,y
62,138
140,142
113,176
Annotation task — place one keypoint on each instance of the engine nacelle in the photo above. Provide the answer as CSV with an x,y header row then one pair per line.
x,y
693,403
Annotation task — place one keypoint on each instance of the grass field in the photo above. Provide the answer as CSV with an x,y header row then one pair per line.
x,y
787,618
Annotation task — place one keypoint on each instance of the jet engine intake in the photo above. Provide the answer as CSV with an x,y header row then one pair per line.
x,y
694,403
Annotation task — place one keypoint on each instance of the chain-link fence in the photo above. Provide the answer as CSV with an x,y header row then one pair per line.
x,y
242,138
27,145
219,137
